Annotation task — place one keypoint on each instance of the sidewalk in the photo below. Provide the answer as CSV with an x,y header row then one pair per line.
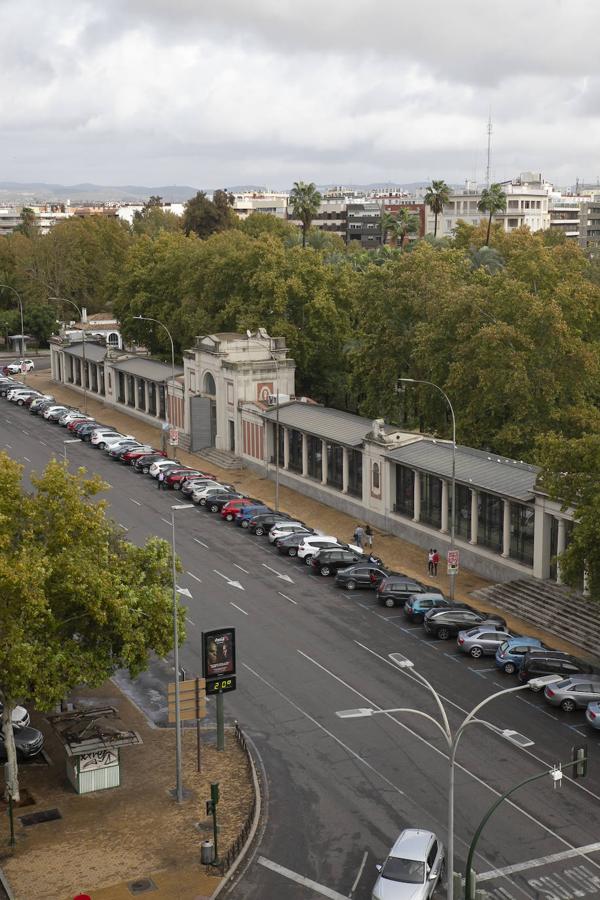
x,y
108,839
397,553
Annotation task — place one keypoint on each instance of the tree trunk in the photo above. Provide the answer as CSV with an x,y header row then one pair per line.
x,y
304,234
489,228
11,770
435,225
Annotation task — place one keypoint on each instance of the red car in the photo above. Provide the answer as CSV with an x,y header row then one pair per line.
x,y
175,479
131,455
231,510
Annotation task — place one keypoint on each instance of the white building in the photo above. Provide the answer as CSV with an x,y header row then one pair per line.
x,y
269,202
45,217
127,212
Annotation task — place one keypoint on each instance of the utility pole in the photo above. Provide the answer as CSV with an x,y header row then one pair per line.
x,y
489,150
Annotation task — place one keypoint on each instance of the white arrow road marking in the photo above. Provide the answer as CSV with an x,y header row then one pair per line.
x,y
285,597
231,583
279,575
301,879
541,861
202,544
195,577
238,607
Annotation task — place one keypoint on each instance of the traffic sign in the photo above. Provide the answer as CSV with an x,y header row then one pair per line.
x,y
192,700
453,561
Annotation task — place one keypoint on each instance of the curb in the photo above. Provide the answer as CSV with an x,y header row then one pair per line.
x,y
5,889
255,821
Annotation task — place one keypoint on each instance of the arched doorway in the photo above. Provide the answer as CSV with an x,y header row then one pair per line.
x,y
209,389
203,414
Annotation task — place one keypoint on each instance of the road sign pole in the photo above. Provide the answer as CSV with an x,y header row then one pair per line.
x,y
220,723
198,735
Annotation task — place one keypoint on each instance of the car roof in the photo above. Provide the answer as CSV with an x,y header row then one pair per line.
x,y
413,843
583,678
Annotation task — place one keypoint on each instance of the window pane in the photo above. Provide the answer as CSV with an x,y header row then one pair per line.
x,y
355,473
315,449
335,464
491,512
295,463
521,532
405,491
431,499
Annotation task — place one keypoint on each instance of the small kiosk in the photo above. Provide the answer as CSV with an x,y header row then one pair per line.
x,y
92,740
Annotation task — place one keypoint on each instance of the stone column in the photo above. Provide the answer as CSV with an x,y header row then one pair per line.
x,y
561,543
146,396
506,530
541,543
323,462
345,470
474,516
417,498
304,456
445,494
286,448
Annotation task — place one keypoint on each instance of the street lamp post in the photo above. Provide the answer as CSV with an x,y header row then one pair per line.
x,y
178,754
277,460
453,501
452,739
168,420
83,359
18,296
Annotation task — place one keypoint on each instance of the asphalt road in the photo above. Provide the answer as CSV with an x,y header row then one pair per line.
x,y
339,791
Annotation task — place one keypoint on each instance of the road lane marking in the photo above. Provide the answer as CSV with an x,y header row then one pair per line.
x,y
540,861
202,544
166,521
44,443
238,607
285,597
230,582
326,731
452,656
242,569
124,527
279,574
26,458
301,879
137,502
477,672
9,446
187,619
360,871
195,577
25,432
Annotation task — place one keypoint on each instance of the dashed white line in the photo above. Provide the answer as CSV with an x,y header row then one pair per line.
x,y
242,569
285,597
137,502
26,458
360,871
166,521
238,607
44,443
202,544
25,432
124,527
187,619
195,577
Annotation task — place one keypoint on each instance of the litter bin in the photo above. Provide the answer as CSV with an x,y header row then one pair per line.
x,y
207,852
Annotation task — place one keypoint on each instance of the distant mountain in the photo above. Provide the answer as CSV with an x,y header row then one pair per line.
x,y
40,192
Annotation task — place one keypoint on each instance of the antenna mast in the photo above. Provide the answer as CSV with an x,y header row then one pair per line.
x,y
489,151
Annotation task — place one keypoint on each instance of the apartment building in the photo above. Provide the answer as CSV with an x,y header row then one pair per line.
x,y
46,216
267,202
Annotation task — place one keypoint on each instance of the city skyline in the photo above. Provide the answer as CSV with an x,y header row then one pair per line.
x,y
159,93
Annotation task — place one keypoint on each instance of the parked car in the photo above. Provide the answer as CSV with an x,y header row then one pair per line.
x,y
20,716
284,529
142,463
100,438
29,400
396,589
413,868
574,692
20,395
446,623
261,523
361,575
511,652
129,456
176,480
37,402
7,386
216,502
203,492
51,410
417,605
86,430
592,714
326,562
161,464
481,641
232,508
23,365
74,415
53,415
288,544
196,484
28,742
551,662
242,519
116,451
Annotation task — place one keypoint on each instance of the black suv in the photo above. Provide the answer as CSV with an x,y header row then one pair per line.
x,y
327,562
361,576
446,623
538,663
395,590
263,522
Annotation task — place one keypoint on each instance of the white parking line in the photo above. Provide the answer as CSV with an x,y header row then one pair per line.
x,y
26,458
285,597
166,521
360,871
301,879
195,577
202,544
137,502
238,607
9,446
242,569
541,861
453,658
25,432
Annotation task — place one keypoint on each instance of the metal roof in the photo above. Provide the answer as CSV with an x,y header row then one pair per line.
x,y
146,368
474,468
323,422
93,352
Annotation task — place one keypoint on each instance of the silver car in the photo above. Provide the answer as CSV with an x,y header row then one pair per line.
x,y
413,868
481,641
573,692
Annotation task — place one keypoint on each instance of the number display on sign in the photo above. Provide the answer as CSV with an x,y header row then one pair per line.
x,y
220,685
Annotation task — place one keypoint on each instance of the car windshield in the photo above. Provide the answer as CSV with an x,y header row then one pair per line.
x,y
410,871
562,684
504,645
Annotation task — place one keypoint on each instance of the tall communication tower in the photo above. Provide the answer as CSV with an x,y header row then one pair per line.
x,y
489,151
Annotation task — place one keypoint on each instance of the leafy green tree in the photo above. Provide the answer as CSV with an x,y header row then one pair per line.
x,y
436,197
28,224
78,601
204,217
304,202
493,201
487,258
152,219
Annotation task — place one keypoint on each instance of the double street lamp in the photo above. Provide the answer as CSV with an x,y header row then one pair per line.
x,y
83,359
452,738
453,489
20,302
176,591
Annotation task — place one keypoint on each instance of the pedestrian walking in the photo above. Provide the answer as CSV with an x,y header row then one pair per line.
x,y
369,536
359,536
430,561
160,480
435,560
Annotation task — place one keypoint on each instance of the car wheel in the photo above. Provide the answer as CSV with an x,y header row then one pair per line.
x,y
20,402
229,517
214,508
102,445
325,570
389,602
202,501
292,551
443,634
259,531
308,560
509,668
476,652
145,470
177,486
351,584
568,705
245,523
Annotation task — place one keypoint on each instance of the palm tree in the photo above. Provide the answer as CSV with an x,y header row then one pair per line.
x,y
437,195
304,203
493,200
399,226
487,258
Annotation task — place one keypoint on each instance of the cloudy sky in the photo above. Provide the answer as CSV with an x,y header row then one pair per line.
x,y
271,91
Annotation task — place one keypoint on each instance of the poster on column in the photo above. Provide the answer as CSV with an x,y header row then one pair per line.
x,y
453,561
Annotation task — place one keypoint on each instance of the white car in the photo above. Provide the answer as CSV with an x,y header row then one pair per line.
x,y
19,395
53,409
73,414
20,716
24,365
100,436
312,543
204,492
160,464
286,527
413,867
121,443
